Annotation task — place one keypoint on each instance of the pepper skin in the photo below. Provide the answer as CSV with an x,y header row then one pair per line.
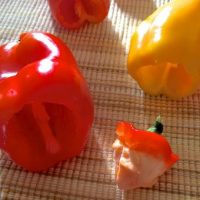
x,y
141,156
164,52
72,14
46,110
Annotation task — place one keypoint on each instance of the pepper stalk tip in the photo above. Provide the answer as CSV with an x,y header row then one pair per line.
x,y
157,126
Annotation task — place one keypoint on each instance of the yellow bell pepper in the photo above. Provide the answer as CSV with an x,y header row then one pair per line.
x,y
164,56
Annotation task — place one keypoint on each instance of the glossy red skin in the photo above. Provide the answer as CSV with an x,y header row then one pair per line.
x,y
46,74
147,142
72,14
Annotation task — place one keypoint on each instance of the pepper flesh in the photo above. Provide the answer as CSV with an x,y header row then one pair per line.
x,y
46,109
72,14
164,52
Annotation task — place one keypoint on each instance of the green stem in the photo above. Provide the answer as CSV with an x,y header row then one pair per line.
x,y
157,126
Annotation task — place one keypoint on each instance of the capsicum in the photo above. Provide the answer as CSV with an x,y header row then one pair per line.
x,y
46,110
141,156
164,52
72,14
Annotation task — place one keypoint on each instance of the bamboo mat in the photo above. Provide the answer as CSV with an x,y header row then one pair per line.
x,y
101,52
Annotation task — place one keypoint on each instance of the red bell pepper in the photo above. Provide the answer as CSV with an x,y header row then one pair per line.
x,y
46,110
73,14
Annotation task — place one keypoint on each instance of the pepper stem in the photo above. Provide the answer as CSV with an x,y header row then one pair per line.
x,y
41,116
157,126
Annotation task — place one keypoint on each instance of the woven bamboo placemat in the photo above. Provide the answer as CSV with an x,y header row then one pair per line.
x,y
101,52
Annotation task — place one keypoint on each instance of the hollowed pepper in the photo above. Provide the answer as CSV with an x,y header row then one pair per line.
x,y
164,52
46,109
72,14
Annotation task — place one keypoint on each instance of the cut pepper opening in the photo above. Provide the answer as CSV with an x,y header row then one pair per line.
x,y
48,122
68,11
42,118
